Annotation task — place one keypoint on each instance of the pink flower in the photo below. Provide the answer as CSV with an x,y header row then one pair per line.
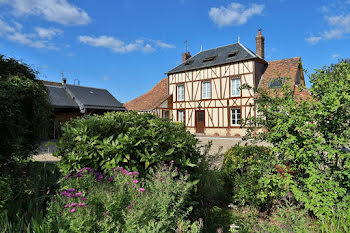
x,y
135,173
127,183
135,181
81,204
129,173
73,210
111,178
66,206
83,199
71,190
141,189
106,213
78,194
73,204
129,206
125,171
172,161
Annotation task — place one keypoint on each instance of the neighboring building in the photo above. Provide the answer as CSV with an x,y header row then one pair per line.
x,y
205,92
71,101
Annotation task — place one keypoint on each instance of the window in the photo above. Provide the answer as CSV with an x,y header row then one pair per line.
x,y
211,58
235,87
276,83
165,114
235,116
180,92
206,90
189,62
181,116
232,55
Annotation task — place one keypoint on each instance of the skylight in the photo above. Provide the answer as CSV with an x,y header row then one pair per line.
x,y
276,82
189,62
211,58
232,54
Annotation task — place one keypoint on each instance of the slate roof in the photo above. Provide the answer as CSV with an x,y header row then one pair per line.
x,y
59,98
221,53
150,100
95,98
71,96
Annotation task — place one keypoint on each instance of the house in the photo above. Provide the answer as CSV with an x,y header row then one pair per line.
x,y
206,91
71,101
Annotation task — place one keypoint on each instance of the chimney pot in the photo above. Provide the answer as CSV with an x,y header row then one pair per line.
x,y
185,56
64,80
260,44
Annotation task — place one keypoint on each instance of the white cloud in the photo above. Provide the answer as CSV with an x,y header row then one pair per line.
x,y
313,39
14,34
59,11
119,46
165,45
340,25
47,32
335,56
234,14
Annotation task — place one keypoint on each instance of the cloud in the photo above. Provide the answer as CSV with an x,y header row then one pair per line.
x,y
119,46
14,33
313,39
234,14
59,11
47,32
335,56
340,25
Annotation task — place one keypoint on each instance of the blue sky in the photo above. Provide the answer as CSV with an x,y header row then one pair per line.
x,y
126,46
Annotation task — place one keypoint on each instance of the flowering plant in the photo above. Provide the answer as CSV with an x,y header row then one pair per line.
x,y
90,201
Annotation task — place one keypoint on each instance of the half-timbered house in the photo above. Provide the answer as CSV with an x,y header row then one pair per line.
x,y
206,91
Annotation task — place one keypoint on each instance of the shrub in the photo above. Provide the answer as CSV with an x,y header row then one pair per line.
x,y
134,141
119,202
25,111
243,169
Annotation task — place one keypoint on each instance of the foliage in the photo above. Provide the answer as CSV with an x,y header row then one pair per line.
x,y
119,202
311,137
24,111
243,170
134,141
289,218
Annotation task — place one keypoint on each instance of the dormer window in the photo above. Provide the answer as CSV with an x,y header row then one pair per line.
x,y
189,62
232,55
276,83
211,58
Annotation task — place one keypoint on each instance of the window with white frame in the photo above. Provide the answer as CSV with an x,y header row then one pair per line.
x,y
235,116
235,87
180,92
181,116
206,90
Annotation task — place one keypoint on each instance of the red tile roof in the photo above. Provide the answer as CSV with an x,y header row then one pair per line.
x,y
151,100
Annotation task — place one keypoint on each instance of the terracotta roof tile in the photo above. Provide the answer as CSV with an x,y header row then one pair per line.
x,y
151,99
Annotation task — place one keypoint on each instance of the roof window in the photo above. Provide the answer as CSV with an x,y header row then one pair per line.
x,y
211,58
189,62
276,83
232,54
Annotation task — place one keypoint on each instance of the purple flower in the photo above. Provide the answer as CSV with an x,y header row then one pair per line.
x,y
73,210
71,190
106,213
129,206
135,173
111,178
64,193
68,175
78,194
135,181
79,175
73,204
81,204
125,171
66,206
118,168
129,173
83,199
141,189
127,183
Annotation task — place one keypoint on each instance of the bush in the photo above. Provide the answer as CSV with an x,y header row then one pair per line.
x,y
243,169
92,202
134,141
25,111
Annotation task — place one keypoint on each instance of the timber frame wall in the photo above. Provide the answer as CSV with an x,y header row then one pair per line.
x,y
217,107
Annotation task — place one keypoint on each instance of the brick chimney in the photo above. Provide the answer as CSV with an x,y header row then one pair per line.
x,y
64,80
185,56
260,44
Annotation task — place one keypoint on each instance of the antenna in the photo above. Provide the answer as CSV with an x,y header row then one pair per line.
x,y
78,81
201,48
62,74
239,39
186,45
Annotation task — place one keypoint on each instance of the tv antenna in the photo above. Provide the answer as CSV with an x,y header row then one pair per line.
x,y
186,45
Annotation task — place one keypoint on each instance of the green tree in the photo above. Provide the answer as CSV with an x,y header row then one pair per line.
x,y
312,137
24,110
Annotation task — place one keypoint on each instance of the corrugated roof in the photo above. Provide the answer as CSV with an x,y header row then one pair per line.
x,y
150,100
221,55
59,98
95,97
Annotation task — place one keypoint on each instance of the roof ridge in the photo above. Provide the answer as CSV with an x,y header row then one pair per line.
x,y
286,59
87,87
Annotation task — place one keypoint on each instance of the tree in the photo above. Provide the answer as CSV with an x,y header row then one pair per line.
x,y
25,110
312,137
